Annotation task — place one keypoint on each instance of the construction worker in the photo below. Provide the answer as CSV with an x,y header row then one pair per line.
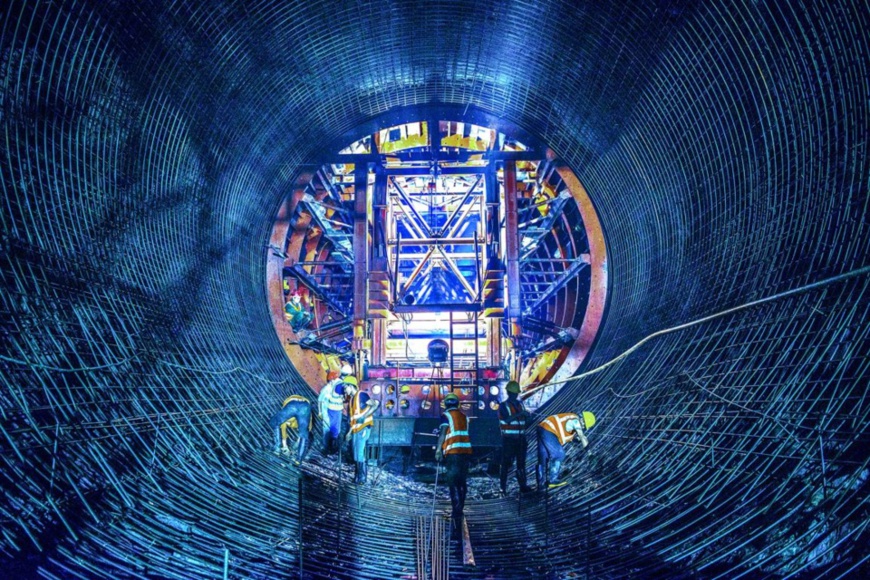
x,y
331,406
296,313
554,433
512,417
295,413
360,410
454,447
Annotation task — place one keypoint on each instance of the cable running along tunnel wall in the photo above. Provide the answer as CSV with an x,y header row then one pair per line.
x,y
145,147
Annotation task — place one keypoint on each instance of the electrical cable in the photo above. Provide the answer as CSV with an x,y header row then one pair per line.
x,y
679,327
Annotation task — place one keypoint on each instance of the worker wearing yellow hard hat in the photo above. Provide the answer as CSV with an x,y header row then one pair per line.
x,y
554,433
454,446
512,417
361,409
295,413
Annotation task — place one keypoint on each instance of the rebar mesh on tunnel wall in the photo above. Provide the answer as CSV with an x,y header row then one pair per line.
x,y
723,144
737,446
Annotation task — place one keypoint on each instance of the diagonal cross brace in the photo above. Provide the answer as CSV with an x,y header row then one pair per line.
x,y
571,272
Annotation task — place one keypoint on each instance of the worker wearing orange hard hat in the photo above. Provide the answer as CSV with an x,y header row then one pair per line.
x,y
296,313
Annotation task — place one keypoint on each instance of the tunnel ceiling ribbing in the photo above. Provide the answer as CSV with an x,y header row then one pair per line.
x,y
146,147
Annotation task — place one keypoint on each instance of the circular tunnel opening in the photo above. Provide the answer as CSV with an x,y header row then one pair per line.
x,y
437,252
147,145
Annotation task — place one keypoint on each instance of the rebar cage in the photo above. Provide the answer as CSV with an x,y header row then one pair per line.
x,y
147,146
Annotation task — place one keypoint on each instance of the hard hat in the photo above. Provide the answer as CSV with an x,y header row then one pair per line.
x,y
296,294
588,419
451,400
512,387
346,370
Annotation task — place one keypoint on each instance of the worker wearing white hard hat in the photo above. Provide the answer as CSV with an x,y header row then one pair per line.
x,y
331,405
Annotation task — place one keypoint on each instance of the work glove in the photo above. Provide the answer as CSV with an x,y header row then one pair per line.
x,y
348,437
439,456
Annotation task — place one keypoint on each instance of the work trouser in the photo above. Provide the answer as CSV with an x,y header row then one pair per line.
x,y
358,441
301,411
332,432
513,447
299,320
550,456
359,444
456,476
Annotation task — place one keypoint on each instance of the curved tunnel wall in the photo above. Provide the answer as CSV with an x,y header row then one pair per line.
x,y
145,148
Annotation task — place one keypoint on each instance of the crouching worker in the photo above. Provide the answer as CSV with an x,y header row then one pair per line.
x,y
296,414
296,313
554,433
360,410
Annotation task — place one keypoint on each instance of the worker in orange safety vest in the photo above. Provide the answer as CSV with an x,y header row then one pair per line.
x,y
554,433
361,407
454,447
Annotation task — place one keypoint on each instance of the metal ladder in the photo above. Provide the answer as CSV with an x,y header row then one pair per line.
x,y
471,373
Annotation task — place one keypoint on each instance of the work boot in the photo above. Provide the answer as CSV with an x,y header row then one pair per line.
x,y
555,468
357,472
278,441
364,471
301,449
456,505
540,479
521,479
503,475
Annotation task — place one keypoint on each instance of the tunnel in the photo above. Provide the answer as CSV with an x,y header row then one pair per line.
x,y
147,150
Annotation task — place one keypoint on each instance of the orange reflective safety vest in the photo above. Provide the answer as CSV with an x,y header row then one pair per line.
x,y
457,440
357,410
555,424
513,426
